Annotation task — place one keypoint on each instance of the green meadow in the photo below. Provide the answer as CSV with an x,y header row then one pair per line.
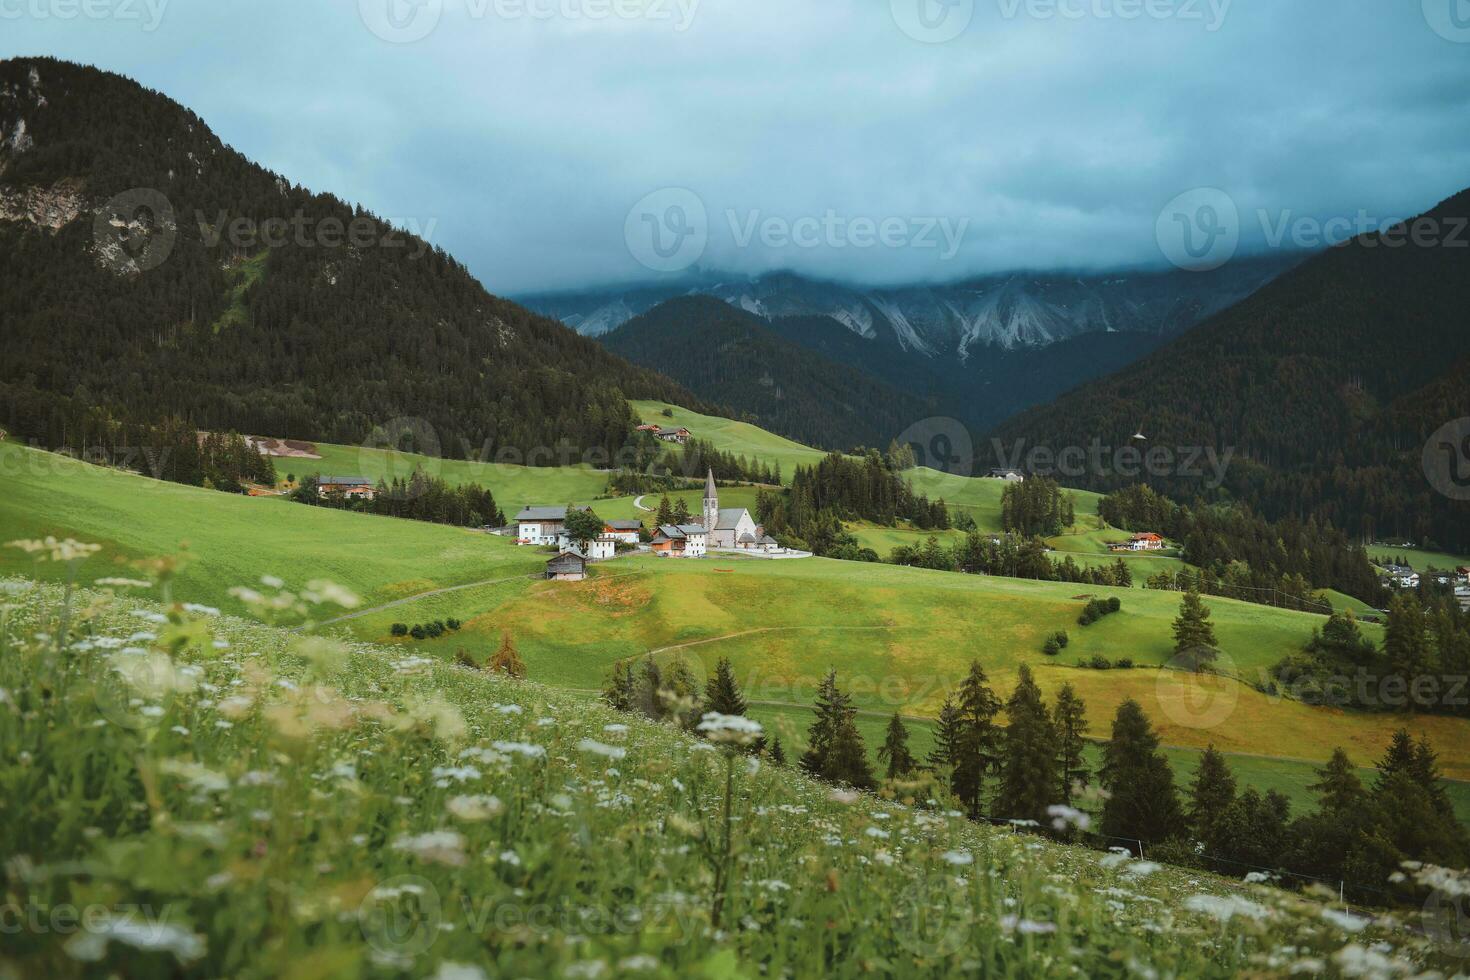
x,y
899,637
740,438
1418,560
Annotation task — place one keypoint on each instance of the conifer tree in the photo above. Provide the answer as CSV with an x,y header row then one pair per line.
x,y
894,752
1027,778
506,660
1210,795
722,693
975,750
941,757
681,511
778,754
622,690
835,750
665,511
1406,640
1142,803
1194,636
1069,716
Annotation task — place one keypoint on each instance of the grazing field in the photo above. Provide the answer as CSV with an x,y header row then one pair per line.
x,y
900,638
347,811
1418,560
740,438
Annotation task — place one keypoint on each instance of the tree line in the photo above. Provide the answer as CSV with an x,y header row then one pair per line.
x,y
419,497
1010,556
1036,507
1241,554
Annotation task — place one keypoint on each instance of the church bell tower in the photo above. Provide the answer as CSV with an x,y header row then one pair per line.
x,y
711,503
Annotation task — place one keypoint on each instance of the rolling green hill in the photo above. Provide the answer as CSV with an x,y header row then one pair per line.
x,y
899,636
412,817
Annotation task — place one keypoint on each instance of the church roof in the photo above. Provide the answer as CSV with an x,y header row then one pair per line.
x,y
747,538
730,518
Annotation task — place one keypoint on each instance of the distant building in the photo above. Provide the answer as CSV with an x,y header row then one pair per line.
x,y
1009,476
625,532
1147,541
680,435
681,541
541,525
567,567
729,527
348,486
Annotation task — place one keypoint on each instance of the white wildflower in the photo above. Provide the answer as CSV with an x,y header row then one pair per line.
x,y
598,748
437,847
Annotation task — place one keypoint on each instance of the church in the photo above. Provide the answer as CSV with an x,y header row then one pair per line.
x,y
732,527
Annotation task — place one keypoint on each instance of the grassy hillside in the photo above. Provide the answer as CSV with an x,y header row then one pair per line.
x,y
1418,560
900,637
348,812
740,438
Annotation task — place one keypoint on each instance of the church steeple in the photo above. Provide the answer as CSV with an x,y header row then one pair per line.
x,y
711,503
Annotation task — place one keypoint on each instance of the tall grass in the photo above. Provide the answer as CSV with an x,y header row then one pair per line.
x,y
187,794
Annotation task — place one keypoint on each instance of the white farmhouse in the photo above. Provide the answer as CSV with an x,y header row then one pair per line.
x,y
540,525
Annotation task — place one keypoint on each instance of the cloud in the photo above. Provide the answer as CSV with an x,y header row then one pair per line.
x,y
1055,130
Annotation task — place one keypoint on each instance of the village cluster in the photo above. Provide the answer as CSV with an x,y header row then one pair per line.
x,y
730,529
1404,577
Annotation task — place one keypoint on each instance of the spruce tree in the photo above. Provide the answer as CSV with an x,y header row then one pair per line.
x,y
835,750
1029,751
894,753
1069,717
777,753
1194,636
722,693
681,511
665,511
941,757
975,749
1210,795
1142,802
1406,640
622,690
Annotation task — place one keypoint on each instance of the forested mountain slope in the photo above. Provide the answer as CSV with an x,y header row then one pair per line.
x,y
1327,384
142,279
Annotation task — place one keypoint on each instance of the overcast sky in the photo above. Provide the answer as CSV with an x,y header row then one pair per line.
x,y
561,143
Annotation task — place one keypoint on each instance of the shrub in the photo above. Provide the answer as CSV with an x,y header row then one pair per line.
x,y
1099,662
435,629
453,624
418,633
1051,647
1125,663
1114,604
399,629
1062,639
1098,608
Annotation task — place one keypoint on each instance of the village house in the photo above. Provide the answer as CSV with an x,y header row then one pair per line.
x,y
541,525
1147,541
567,567
625,532
359,487
681,541
679,435
1009,476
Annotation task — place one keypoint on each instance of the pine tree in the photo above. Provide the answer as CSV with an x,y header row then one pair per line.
x,y
650,690
1210,795
622,690
835,750
975,750
1406,640
895,749
722,693
506,660
1194,636
665,511
1337,785
1027,779
681,511
1069,716
778,754
941,757
1142,803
